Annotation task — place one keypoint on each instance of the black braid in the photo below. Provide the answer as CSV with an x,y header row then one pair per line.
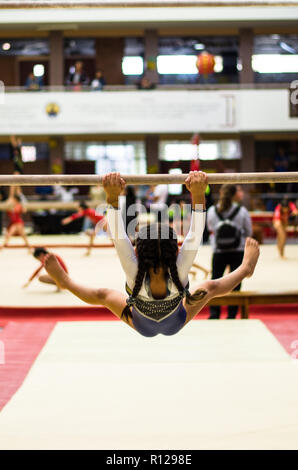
x,y
190,299
139,281
175,276
157,247
148,256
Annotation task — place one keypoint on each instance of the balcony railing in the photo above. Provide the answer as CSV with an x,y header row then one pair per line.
x,y
211,87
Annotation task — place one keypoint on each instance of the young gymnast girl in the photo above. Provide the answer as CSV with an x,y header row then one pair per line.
x,y
282,212
16,225
157,272
40,254
93,216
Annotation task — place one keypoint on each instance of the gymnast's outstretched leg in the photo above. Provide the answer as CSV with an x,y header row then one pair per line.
x,y
114,300
22,234
281,237
91,235
225,284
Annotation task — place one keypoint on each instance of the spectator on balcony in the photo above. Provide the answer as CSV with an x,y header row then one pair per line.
x,y
145,84
78,77
281,160
33,83
99,81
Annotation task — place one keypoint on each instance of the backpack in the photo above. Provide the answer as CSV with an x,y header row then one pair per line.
x,y
227,234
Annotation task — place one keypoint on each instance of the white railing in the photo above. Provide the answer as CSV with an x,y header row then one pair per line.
x,y
84,88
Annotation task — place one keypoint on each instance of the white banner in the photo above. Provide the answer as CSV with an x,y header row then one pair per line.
x,y
115,112
146,112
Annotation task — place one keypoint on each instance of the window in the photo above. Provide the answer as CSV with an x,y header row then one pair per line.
x,y
132,66
24,47
275,63
124,157
173,64
172,151
275,58
175,189
28,153
79,47
207,150
38,70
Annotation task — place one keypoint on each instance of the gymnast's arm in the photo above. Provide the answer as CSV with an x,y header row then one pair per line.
x,y
196,183
189,249
122,244
293,208
76,215
114,185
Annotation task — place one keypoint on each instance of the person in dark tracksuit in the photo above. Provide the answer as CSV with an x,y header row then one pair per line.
x,y
228,205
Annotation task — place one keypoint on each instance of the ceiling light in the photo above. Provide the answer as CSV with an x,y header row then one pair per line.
x,y
199,47
6,46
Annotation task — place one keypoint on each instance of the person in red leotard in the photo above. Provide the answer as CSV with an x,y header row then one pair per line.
x,y
98,220
40,254
16,225
281,216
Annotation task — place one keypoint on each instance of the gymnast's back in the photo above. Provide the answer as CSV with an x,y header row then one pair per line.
x,y
156,272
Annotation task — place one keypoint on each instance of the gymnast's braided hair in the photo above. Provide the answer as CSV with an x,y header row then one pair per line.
x,y
156,247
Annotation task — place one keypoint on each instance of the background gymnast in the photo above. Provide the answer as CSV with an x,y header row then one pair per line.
x,y
157,273
40,254
281,215
16,225
95,219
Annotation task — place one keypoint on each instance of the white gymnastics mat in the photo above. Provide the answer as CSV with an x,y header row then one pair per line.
x,y
223,384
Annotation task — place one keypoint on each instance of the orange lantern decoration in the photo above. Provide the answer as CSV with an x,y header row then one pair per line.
x,y
205,63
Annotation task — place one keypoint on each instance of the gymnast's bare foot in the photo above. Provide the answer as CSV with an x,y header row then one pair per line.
x,y
55,271
251,255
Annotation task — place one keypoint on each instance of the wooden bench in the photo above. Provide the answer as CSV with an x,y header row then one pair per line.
x,y
246,298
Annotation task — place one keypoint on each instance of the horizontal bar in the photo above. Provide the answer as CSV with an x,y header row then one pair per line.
x,y
93,180
141,3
